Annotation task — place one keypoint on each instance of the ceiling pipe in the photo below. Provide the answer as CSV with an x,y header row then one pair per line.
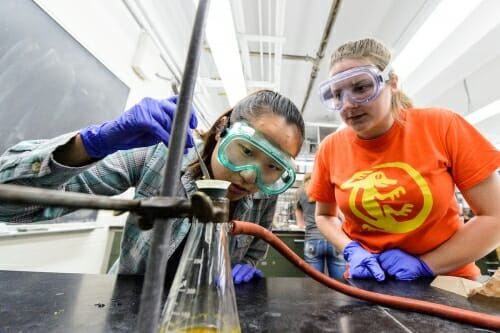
x,y
332,16
239,24
278,47
138,13
283,55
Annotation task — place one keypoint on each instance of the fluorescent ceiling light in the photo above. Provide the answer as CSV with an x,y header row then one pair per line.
x,y
320,124
485,112
439,25
221,36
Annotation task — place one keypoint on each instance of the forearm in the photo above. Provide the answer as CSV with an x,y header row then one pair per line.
x,y
33,163
72,153
331,228
30,163
474,240
299,218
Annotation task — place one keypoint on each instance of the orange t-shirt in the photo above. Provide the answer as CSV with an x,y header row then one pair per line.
x,y
397,190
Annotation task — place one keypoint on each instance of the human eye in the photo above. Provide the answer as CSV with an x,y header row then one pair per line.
x,y
337,94
246,150
275,167
272,173
362,87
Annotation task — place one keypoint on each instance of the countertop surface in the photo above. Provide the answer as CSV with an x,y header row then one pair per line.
x,y
61,302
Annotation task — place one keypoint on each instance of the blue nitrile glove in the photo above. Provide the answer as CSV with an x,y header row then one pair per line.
x,y
362,264
245,272
145,124
403,266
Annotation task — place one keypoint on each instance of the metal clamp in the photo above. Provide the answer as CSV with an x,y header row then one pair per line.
x,y
200,205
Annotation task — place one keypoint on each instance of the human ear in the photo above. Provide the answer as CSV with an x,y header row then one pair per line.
x,y
221,127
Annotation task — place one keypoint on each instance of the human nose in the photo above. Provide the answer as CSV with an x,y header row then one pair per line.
x,y
248,175
347,102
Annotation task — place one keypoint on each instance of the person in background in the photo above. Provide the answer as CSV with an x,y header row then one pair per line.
x,y
463,207
251,146
317,250
468,214
396,179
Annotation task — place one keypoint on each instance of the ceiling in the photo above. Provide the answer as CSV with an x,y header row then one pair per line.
x,y
285,45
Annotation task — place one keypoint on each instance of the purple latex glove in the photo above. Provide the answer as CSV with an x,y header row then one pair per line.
x,y
145,124
403,266
362,264
245,272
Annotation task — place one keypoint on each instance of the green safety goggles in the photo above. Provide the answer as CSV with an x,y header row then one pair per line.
x,y
242,148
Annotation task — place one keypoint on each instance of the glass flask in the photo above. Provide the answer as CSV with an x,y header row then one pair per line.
x,y
202,297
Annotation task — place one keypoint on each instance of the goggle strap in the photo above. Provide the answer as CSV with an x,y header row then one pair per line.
x,y
385,73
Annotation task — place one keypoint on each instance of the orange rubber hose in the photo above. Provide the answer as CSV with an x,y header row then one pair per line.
x,y
445,311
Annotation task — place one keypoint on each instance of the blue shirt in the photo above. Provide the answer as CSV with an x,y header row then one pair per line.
x,y
31,163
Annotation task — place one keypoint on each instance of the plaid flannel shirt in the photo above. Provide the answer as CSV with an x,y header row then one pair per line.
x,y
31,163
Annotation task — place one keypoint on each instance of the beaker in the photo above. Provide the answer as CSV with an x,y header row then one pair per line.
x,y
202,297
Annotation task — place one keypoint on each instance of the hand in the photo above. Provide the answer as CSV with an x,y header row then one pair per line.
x,y
145,124
362,264
403,266
245,272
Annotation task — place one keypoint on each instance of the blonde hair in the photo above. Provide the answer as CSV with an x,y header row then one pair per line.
x,y
307,177
305,184
379,55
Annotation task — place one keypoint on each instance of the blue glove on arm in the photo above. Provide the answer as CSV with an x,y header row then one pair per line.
x,y
362,264
403,266
145,124
245,272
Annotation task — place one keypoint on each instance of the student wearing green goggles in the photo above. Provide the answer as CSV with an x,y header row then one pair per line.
x,y
253,145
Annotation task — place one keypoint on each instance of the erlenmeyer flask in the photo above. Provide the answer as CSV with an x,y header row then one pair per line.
x,y
202,297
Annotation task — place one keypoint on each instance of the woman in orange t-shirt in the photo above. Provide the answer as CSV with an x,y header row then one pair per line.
x,y
392,171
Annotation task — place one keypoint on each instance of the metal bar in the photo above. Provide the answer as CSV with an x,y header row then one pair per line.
x,y
18,194
158,206
204,169
199,205
152,292
332,17
261,49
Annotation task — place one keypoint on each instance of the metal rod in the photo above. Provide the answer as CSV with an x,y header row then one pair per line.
x,y
332,17
203,166
152,291
157,206
18,194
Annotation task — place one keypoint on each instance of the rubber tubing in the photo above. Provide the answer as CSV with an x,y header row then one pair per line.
x,y
445,311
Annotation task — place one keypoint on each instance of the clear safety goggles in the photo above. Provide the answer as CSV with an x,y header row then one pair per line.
x,y
360,84
242,148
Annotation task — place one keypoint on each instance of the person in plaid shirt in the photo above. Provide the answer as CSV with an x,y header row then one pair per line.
x,y
131,151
